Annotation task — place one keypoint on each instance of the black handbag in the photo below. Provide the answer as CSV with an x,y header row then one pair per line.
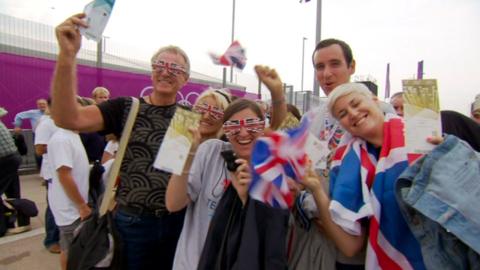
x,y
97,243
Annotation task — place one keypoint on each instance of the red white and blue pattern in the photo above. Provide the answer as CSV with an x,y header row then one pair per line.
x,y
235,55
275,158
363,187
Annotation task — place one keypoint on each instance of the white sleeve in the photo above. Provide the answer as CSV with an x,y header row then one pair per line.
x,y
111,147
42,133
60,153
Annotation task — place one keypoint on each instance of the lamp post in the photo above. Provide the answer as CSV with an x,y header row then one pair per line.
x,y
316,87
233,37
303,61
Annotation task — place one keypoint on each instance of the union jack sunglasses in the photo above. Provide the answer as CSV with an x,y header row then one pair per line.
x,y
214,112
252,125
173,69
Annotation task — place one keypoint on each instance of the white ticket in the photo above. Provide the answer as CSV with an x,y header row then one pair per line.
x,y
98,12
176,144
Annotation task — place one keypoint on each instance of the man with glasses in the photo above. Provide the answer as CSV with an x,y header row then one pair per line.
x,y
148,230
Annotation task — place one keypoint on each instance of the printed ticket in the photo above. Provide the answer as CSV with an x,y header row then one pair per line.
x,y
422,114
176,144
98,12
317,151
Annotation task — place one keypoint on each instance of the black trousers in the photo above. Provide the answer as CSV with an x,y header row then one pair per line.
x,y
9,181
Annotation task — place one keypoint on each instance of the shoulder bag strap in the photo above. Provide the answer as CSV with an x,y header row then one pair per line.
x,y
108,201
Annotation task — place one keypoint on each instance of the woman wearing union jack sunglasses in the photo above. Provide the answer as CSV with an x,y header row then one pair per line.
x,y
211,105
206,178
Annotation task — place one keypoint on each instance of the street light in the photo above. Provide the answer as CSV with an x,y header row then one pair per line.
x,y
233,37
303,60
316,88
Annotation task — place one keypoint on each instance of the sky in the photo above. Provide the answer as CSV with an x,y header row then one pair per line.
x,y
444,34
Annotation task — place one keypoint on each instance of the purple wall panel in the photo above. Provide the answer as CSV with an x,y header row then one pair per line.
x,y
25,79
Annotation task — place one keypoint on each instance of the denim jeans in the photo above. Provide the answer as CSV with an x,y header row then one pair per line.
x,y
52,235
149,241
438,195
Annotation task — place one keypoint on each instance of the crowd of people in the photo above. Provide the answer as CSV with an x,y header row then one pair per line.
x,y
357,210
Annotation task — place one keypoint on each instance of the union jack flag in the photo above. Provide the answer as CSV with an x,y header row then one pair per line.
x,y
235,55
275,158
362,181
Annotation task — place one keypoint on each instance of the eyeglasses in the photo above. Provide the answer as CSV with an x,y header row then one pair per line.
x,y
252,125
173,69
214,112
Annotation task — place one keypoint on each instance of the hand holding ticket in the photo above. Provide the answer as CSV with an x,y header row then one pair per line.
x,y
98,12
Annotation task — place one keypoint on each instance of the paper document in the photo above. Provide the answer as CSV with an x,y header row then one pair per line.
x,y
421,114
98,12
317,151
176,145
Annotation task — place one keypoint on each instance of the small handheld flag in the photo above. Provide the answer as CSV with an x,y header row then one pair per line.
x,y
275,158
235,55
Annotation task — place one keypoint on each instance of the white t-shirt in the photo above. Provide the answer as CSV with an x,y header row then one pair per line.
x,y
45,129
111,147
66,149
206,184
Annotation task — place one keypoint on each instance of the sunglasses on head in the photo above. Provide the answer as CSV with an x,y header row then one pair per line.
x,y
214,112
252,125
173,69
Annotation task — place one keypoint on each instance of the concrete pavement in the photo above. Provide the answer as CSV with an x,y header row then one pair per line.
x,y
25,250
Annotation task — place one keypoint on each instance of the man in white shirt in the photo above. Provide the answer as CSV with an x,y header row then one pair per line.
x,y
45,130
68,193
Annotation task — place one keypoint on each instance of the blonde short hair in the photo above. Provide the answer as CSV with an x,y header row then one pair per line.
x,y
221,97
346,89
100,90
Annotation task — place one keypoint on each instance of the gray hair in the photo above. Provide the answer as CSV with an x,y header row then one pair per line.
x,y
172,49
346,89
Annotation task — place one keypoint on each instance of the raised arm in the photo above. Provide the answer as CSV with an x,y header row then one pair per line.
x,y
270,78
66,112
348,244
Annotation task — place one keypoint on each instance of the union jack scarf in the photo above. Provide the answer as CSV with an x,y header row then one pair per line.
x,y
362,188
275,158
235,55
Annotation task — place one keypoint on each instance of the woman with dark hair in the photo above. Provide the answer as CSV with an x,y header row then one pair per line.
x,y
215,166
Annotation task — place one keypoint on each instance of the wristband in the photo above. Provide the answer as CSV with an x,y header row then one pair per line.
x,y
278,101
